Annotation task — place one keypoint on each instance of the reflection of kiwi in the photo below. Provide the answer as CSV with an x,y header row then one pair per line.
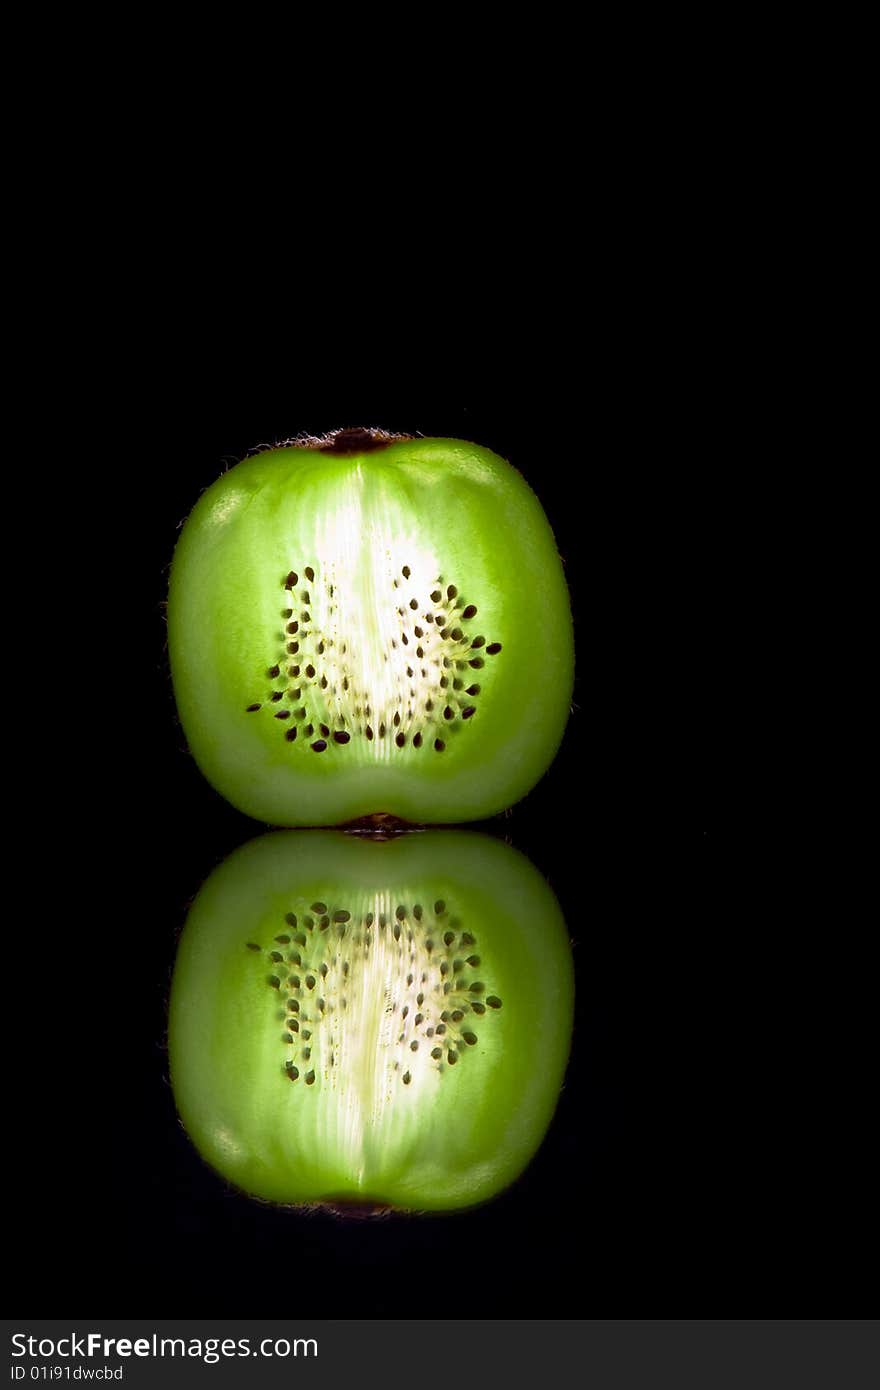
x,y
371,1022
370,625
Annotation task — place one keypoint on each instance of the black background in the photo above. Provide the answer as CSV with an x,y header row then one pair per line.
x,y
629,298
670,1178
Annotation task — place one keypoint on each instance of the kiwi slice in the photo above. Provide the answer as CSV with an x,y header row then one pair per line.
x,y
365,625
379,1023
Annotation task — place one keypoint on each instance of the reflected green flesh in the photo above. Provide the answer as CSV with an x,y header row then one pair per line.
x,y
436,610
291,1030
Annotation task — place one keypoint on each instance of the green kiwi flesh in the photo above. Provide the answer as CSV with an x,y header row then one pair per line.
x,y
378,628
371,1023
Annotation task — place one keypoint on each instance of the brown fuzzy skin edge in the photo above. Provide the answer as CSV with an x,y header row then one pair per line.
x,y
361,440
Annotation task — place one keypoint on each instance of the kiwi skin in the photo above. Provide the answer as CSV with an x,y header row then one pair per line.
x,y
358,440
342,719
359,1139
